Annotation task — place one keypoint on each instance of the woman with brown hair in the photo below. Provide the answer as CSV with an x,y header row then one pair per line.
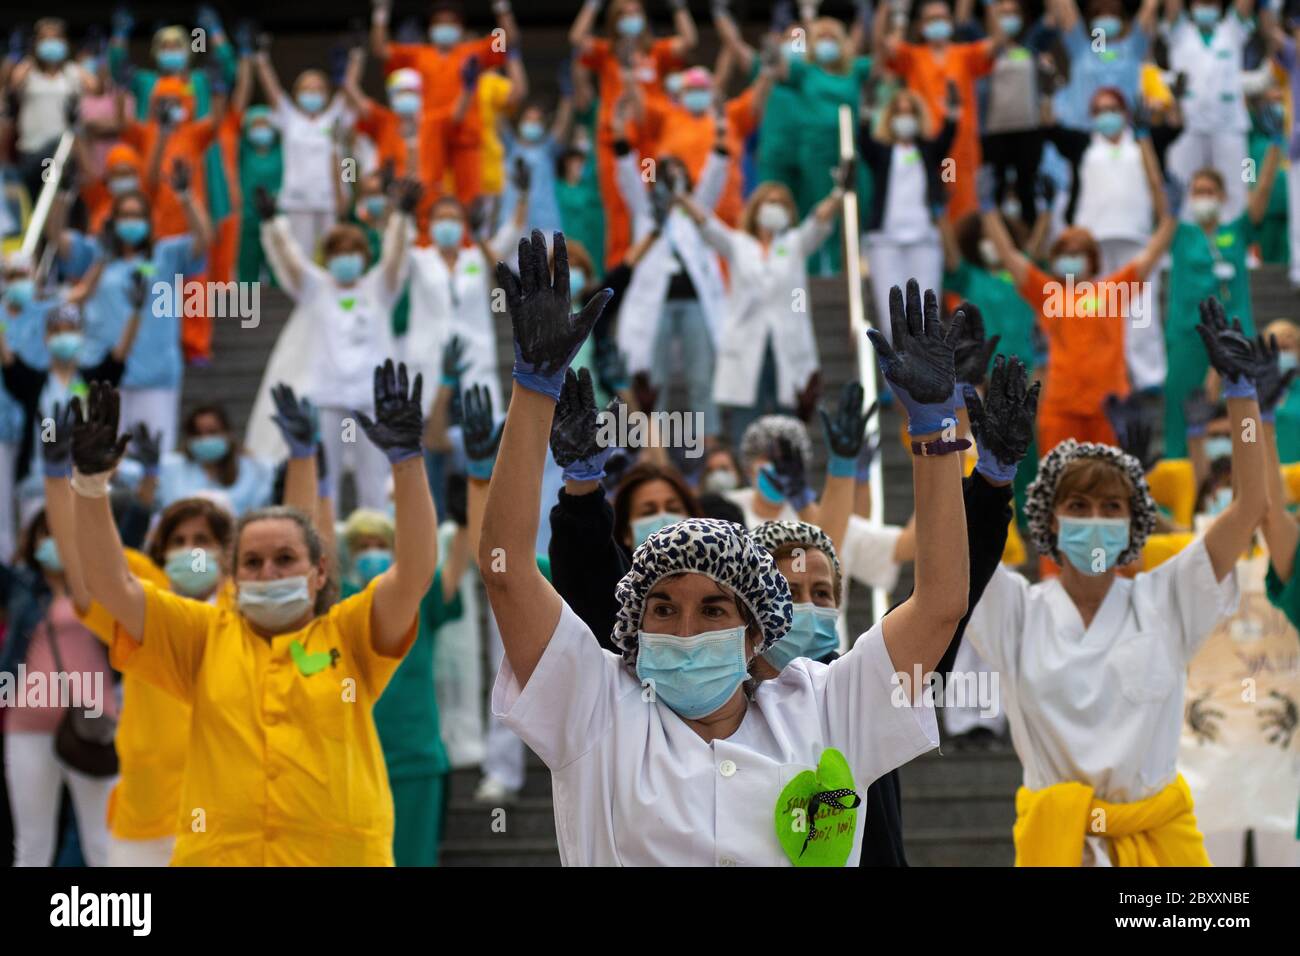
x,y
210,461
1094,664
766,350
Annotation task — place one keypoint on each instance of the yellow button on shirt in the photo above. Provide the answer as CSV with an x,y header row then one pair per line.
x,y
152,736
285,767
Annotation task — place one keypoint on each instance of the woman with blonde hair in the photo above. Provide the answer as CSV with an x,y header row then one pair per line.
x,y
766,352
904,152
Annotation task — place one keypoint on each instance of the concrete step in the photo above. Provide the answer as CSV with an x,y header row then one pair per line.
x,y
457,852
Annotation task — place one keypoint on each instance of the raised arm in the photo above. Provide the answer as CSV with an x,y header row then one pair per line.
x,y
1232,356
397,233
266,74
1157,245
920,366
396,431
197,222
97,447
296,419
380,11
1148,17
845,431
243,89
687,36
1281,532
360,103
1260,193
1066,13
527,608
580,32
137,295
56,453
1013,260
731,39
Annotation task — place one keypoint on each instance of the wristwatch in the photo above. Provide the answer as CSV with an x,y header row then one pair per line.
x,y
933,449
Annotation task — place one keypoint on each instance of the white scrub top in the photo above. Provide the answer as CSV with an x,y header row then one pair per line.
x,y
867,556
308,143
1101,706
634,785
743,498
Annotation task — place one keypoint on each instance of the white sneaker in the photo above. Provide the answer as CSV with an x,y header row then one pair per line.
x,y
492,791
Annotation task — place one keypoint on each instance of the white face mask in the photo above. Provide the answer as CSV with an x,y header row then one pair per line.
x,y
274,605
989,252
773,217
1204,208
904,126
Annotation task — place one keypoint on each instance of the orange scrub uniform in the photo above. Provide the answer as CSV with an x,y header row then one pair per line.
x,y
928,74
691,138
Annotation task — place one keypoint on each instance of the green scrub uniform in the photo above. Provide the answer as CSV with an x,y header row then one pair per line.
x,y
1008,315
1201,268
1287,425
818,142
581,212
257,168
777,156
1271,233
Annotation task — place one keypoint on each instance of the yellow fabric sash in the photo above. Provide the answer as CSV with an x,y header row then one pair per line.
x,y
1161,830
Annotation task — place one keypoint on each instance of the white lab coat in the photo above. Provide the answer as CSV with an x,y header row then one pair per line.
x,y
304,349
1114,194
1215,101
867,556
647,290
1101,706
634,785
769,300
458,300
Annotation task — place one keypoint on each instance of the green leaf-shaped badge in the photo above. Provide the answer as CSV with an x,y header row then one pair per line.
x,y
347,303
309,664
826,837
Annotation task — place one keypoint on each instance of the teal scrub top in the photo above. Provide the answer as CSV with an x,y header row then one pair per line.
x,y
823,93
1271,233
1285,595
406,715
1005,312
1287,425
783,115
1193,277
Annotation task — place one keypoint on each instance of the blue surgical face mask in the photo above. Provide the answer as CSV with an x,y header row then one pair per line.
x,y
370,564
18,292
1219,501
1088,542
812,634
1204,15
209,448
1108,25
347,267
827,50
1070,265
531,131
193,575
632,25
172,61
642,528
693,676
313,101
1287,361
1108,122
47,554
448,233
1218,446
274,605
445,34
673,83
697,101
261,135
904,126
407,103
375,206
937,30
131,231
1011,208
65,346
51,50
1010,23
790,52
117,185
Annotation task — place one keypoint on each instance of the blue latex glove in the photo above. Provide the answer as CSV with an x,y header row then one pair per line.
x,y
296,421
547,336
920,365
575,430
481,433
398,426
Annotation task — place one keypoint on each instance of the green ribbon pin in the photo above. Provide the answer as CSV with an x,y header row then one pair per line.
x,y
816,813
347,303
309,664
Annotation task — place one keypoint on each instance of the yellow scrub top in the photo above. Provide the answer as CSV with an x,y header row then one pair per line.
x,y
285,767
152,736
493,96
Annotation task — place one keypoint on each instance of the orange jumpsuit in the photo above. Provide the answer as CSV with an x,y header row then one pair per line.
x,y
691,138
1085,353
928,75
458,144
384,127
650,69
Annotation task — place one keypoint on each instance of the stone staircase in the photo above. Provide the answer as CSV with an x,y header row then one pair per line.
x,y
957,808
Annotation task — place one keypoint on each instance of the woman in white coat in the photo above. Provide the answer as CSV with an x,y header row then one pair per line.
x,y
661,756
1093,664
675,298
767,352
451,293
340,330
